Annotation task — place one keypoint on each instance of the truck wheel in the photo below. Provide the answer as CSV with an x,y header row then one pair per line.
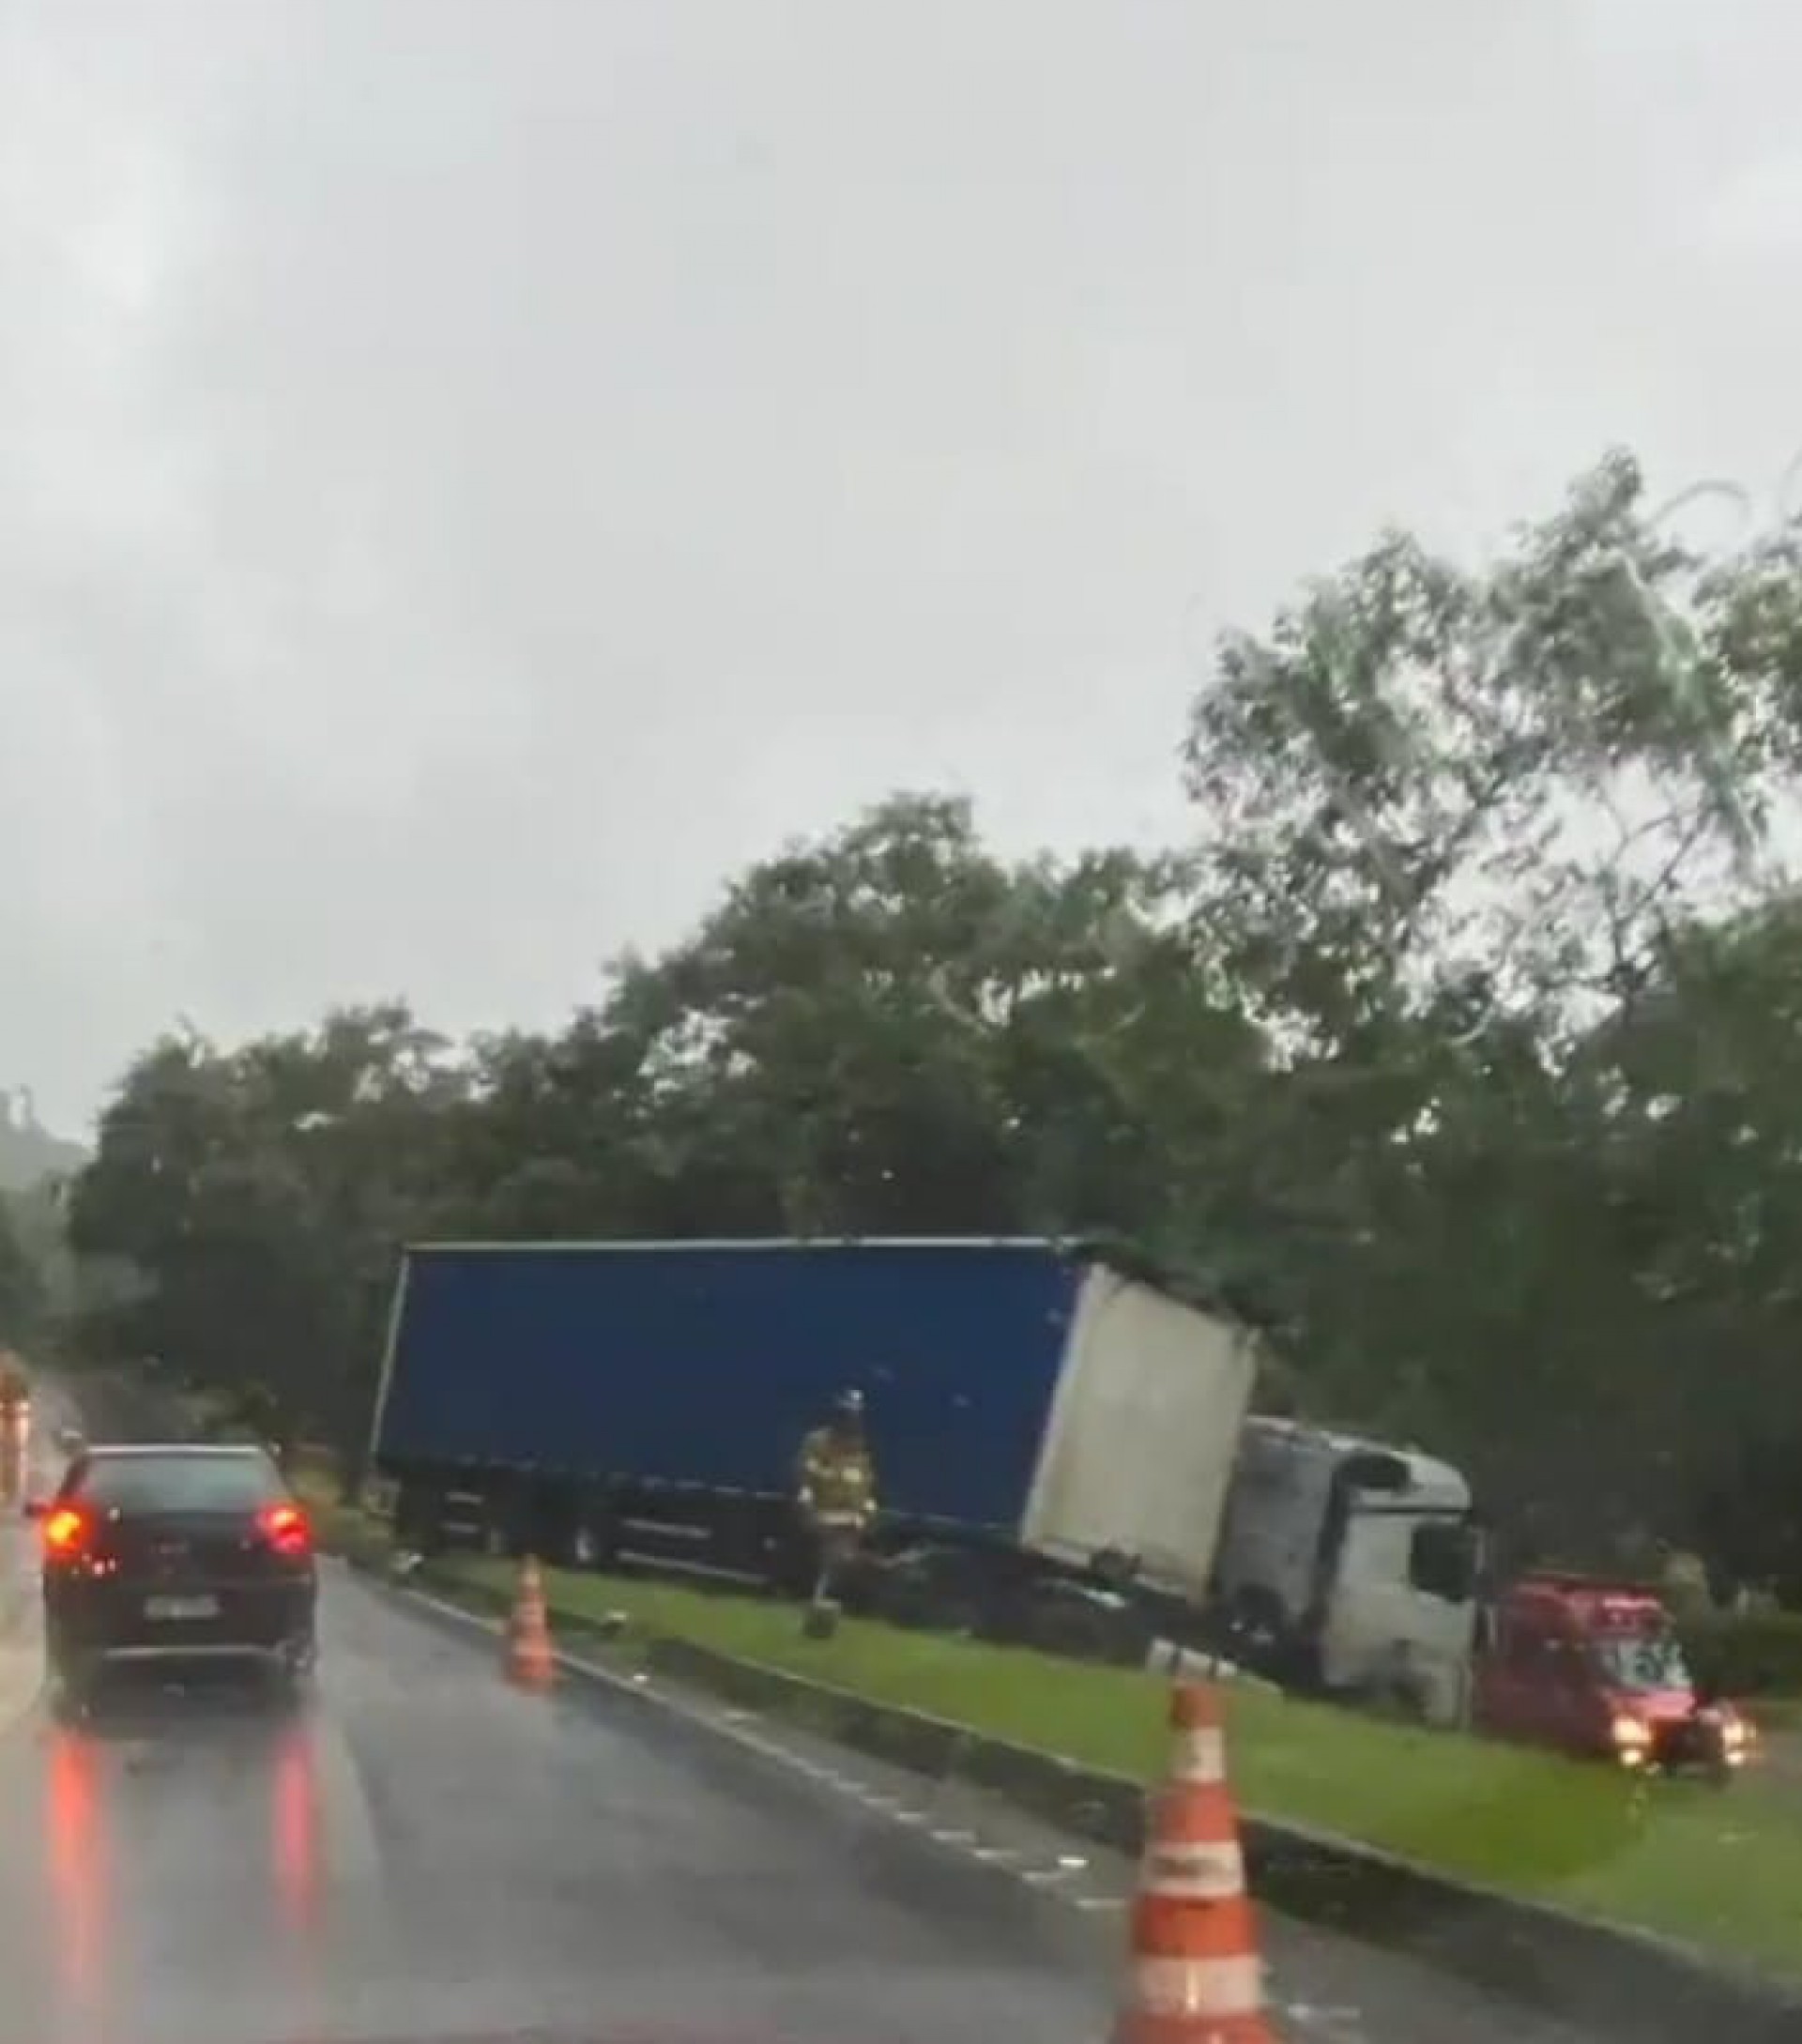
x,y
1398,1697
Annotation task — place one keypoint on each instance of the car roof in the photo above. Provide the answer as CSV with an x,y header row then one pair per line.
x,y
227,1448
1591,1604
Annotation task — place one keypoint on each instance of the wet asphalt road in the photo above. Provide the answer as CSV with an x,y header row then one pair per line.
x,y
424,1853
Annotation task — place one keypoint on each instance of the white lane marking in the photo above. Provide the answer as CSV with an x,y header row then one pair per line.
x,y
1337,2026
22,1646
711,1720
345,1816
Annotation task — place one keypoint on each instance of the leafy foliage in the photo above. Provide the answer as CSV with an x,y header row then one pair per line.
x,y
1464,1041
1759,1654
20,1288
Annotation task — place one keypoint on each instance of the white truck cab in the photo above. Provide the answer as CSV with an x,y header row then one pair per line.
x,y
1352,1564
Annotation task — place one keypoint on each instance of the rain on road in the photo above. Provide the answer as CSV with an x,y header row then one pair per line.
x,y
424,1853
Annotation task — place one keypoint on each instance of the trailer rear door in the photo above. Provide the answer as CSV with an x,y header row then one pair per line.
x,y
1143,1431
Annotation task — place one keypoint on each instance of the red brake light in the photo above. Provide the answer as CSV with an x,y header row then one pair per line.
x,y
65,1531
284,1527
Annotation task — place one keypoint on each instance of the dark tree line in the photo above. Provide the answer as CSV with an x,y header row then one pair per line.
x,y
1462,1041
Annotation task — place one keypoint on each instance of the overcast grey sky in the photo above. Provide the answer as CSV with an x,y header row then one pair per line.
x,y
472,475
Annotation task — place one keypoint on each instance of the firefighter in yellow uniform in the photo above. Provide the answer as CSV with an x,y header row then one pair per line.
x,y
835,1491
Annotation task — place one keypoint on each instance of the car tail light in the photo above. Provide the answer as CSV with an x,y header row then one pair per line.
x,y
285,1529
65,1531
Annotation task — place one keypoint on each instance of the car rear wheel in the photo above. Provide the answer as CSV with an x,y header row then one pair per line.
x,y
292,1673
71,1684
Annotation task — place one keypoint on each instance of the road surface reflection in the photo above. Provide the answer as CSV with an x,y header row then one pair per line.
x,y
156,1861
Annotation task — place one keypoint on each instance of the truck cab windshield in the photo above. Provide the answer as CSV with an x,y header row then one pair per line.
x,y
1642,1660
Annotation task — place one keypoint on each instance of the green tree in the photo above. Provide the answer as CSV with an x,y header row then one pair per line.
x,y
893,1031
20,1288
1436,796
260,1197
1454,820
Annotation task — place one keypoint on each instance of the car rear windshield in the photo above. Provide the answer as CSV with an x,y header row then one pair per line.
x,y
180,1483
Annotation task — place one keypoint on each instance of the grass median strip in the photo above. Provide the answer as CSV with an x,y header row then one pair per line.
x,y
1718,1871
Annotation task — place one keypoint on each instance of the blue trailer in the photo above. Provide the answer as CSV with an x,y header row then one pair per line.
x,y
616,1403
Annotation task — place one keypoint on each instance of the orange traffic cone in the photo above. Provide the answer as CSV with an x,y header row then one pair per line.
x,y
1193,1975
529,1663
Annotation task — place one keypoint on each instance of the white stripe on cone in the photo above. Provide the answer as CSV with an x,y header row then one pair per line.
x,y
1165,1658
1200,1756
1197,1986
1193,1873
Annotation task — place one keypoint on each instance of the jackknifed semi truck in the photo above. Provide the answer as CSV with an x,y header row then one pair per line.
x,y
1061,1440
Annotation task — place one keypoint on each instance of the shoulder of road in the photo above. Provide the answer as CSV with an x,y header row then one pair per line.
x,y
1648,1909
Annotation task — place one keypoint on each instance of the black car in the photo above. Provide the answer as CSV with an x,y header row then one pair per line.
x,y
176,1554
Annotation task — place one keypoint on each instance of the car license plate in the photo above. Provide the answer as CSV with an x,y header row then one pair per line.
x,y
180,1608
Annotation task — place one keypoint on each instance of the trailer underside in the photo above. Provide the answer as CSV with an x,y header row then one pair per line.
x,y
961,1580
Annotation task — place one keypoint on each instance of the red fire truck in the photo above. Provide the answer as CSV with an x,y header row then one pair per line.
x,y
1595,1668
